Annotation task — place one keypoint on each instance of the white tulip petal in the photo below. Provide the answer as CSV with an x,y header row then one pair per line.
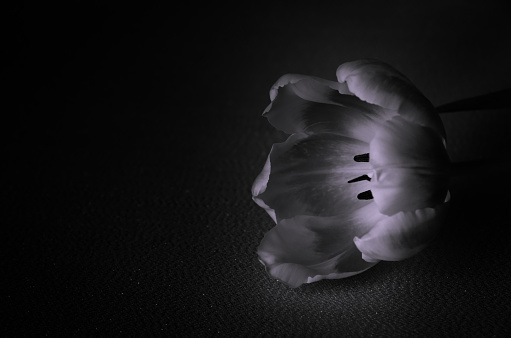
x,y
402,235
374,82
309,176
362,178
259,187
411,167
302,104
380,84
311,89
305,249
261,180
266,208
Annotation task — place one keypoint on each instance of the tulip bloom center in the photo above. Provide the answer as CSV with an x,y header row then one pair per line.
x,y
363,176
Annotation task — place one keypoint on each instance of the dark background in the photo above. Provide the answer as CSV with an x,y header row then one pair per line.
x,y
132,136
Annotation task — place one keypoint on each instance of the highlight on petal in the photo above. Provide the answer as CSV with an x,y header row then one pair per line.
x,y
309,176
261,180
375,82
259,187
378,83
411,167
305,249
302,104
402,235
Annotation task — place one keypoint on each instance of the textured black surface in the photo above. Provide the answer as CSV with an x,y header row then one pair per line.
x,y
134,139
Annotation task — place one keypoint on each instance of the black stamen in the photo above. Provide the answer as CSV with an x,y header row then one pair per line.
x,y
361,158
366,195
360,178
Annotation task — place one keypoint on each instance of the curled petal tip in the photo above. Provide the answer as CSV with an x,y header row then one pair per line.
x,y
378,83
369,259
284,80
359,244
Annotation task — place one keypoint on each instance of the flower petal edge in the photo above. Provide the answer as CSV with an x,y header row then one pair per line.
x,y
402,235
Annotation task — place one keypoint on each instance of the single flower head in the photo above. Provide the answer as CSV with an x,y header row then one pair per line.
x,y
363,176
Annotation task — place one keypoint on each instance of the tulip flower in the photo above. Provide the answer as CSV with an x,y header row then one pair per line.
x,y
363,176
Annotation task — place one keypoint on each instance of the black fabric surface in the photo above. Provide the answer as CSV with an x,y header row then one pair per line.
x,y
134,135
